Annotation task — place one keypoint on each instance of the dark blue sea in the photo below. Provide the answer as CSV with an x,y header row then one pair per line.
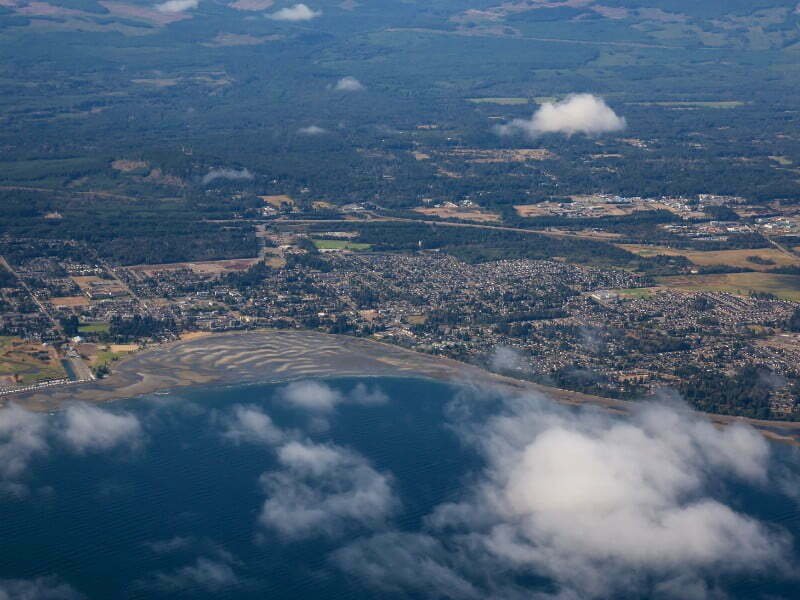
x,y
178,513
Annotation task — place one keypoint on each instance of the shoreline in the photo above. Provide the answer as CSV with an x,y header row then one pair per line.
x,y
274,356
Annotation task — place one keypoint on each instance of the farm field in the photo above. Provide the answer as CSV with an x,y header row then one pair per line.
x,y
760,259
785,287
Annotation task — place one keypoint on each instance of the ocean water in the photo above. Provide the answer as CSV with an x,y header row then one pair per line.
x,y
137,522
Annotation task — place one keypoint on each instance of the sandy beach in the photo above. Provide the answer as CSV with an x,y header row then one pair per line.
x,y
267,356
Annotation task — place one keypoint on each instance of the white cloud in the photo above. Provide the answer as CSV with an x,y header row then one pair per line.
x,y
177,6
230,174
311,395
205,573
366,396
23,434
319,397
603,506
397,562
312,130
578,113
322,489
88,428
41,588
250,424
349,84
298,12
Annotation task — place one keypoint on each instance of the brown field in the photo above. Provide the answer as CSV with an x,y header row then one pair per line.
x,y
786,287
733,258
212,267
278,200
70,301
465,214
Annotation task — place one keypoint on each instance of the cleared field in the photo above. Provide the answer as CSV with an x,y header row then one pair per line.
x,y
761,259
465,214
24,363
70,301
213,267
785,287
499,101
340,245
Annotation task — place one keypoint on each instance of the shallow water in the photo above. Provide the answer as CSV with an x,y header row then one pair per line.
x,y
95,520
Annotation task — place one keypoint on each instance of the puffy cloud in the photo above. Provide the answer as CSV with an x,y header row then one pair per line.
x,y
177,6
319,397
578,113
400,562
250,424
212,571
311,395
23,434
205,573
230,174
88,428
312,130
323,489
367,396
602,505
349,84
41,588
298,12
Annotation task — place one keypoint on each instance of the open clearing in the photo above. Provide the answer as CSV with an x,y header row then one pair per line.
x,y
24,363
465,214
340,245
765,258
212,267
785,287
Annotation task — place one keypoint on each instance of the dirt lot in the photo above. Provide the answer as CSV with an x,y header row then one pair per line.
x,y
465,214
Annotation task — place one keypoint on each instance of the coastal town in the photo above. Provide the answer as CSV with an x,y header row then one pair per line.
x,y
69,316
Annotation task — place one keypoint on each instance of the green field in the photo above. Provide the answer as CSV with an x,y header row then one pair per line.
x,y
94,328
341,245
